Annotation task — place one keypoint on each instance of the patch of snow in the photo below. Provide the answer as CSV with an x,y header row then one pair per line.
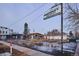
x,y
5,54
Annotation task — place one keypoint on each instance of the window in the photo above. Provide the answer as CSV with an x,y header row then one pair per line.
x,y
36,35
3,32
0,31
6,28
1,27
6,32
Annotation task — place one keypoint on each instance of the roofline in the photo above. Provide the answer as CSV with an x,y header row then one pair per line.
x,y
6,28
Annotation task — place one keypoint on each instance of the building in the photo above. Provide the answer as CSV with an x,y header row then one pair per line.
x,y
47,37
55,35
35,36
26,31
5,32
17,36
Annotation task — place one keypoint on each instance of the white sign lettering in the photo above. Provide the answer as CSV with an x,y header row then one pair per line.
x,y
53,11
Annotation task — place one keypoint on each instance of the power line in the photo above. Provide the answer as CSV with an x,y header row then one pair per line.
x,y
28,14
37,17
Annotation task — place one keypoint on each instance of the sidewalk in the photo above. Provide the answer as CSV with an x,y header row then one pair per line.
x,y
27,51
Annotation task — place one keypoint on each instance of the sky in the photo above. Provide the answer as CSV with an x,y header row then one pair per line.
x,y
14,15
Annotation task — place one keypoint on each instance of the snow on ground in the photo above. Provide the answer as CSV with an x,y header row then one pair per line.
x,y
69,47
5,54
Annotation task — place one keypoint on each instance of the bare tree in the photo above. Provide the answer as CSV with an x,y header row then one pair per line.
x,y
73,17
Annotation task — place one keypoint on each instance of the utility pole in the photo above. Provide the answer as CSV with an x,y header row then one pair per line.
x,y
61,27
55,10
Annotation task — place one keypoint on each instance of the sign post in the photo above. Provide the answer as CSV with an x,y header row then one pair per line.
x,y
62,27
11,47
54,11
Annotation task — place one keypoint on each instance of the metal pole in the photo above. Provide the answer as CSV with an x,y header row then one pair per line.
x,y
11,47
61,27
